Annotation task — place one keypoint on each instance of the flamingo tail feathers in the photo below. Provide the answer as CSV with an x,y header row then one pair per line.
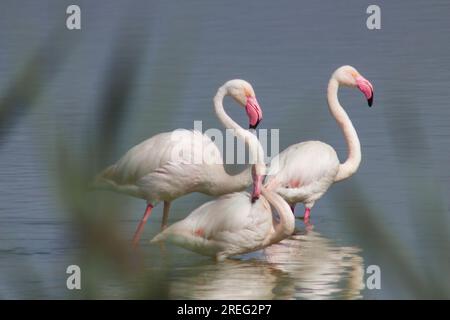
x,y
106,181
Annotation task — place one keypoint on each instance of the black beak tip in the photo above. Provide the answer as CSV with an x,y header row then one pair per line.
x,y
255,125
370,101
254,198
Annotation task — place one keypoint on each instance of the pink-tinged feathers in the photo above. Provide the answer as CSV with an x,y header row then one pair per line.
x,y
366,88
254,112
295,183
199,232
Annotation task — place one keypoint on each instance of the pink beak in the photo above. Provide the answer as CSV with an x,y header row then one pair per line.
x,y
254,112
257,184
366,88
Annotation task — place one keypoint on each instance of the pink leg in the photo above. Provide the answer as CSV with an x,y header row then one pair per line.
x,y
140,228
307,215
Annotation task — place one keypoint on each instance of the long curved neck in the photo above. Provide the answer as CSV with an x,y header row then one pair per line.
x,y
252,142
226,120
285,226
349,167
220,182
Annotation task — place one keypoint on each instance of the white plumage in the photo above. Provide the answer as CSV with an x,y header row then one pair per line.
x,y
232,225
307,170
172,164
303,172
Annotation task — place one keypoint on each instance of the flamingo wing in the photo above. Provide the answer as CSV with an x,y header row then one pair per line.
x,y
172,180
155,152
303,171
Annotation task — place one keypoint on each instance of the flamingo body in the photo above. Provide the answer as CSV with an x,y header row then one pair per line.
x,y
232,225
148,170
303,172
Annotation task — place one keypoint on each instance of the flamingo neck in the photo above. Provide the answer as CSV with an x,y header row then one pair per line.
x,y
286,224
251,141
349,167
222,183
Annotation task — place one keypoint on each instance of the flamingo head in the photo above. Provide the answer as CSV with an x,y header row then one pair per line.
x,y
350,77
258,171
243,93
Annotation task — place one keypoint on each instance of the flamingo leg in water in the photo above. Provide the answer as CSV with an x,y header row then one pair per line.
x,y
165,215
140,228
307,215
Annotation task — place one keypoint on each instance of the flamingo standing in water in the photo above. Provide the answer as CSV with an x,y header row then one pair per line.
x,y
162,167
232,225
303,172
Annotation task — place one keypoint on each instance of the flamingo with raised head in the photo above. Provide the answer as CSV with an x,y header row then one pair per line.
x,y
232,225
172,164
303,172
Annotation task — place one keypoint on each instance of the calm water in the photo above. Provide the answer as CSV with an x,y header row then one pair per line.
x,y
80,99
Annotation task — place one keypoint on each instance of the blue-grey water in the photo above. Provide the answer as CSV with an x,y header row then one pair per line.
x,y
72,102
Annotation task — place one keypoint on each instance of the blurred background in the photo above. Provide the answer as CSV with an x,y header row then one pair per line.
x,y
72,102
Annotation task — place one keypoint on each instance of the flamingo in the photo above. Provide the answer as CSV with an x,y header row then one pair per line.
x,y
232,225
161,168
303,172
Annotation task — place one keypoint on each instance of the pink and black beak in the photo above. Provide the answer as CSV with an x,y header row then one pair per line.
x,y
254,112
257,184
366,88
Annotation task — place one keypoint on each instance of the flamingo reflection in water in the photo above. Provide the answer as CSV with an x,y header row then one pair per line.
x,y
317,267
305,266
